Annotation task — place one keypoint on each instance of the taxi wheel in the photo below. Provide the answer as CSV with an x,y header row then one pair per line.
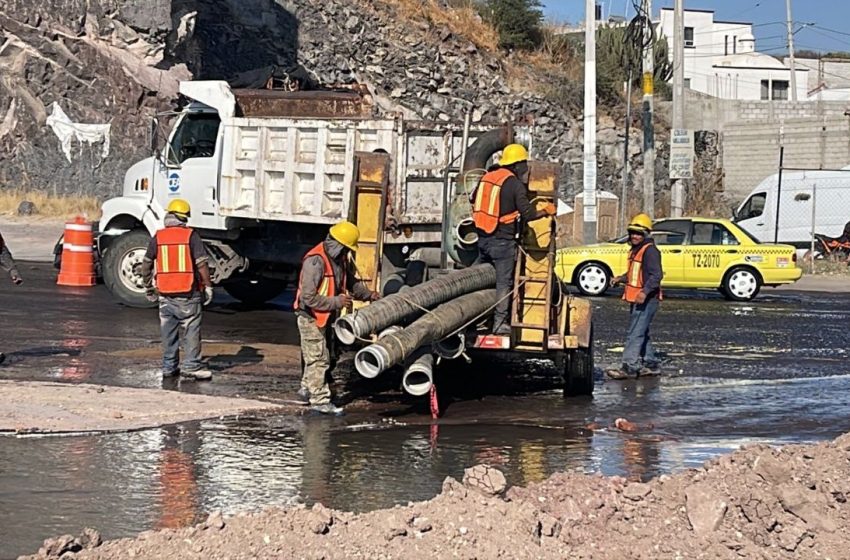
x,y
592,279
741,284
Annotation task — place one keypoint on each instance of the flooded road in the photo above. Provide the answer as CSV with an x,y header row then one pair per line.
x,y
774,370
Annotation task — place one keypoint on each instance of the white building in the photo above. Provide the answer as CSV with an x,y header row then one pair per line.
x,y
721,60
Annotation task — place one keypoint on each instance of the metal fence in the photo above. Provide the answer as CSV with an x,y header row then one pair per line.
x,y
807,208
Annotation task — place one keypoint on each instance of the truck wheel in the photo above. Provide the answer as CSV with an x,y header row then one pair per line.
x,y
255,291
578,371
120,268
741,284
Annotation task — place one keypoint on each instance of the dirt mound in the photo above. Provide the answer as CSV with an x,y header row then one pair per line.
x,y
758,503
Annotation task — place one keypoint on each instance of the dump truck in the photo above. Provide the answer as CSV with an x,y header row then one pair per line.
x,y
267,172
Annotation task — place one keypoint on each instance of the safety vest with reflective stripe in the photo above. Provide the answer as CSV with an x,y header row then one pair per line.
x,y
327,287
486,211
634,276
175,269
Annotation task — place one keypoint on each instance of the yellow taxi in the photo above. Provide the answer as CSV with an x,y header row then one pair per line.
x,y
695,253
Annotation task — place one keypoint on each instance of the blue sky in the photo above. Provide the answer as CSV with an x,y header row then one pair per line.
x,y
831,31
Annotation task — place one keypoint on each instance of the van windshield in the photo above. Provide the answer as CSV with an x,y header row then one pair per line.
x,y
752,208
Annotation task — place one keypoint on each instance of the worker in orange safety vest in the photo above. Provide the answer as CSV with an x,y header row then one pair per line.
x,y
498,203
642,291
182,287
326,285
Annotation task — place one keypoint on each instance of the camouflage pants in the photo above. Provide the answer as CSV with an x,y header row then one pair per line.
x,y
317,360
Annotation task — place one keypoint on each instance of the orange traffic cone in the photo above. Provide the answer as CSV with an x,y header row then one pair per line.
x,y
77,256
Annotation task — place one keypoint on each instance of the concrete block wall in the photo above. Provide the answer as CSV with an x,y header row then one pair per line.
x,y
751,149
815,135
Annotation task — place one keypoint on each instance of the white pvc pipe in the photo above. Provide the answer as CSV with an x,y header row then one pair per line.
x,y
419,376
371,361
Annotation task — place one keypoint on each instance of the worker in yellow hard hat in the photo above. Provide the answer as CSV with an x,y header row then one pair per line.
x,y
183,287
642,282
498,203
326,285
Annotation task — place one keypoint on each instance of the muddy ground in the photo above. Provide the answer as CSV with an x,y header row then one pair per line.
x,y
758,503
772,371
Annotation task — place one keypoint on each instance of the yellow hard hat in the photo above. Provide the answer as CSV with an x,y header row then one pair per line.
x,y
513,153
641,223
179,207
346,233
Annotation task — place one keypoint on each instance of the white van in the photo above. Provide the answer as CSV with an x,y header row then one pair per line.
x,y
827,191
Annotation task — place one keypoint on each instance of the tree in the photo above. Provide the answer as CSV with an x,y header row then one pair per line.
x,y
517,21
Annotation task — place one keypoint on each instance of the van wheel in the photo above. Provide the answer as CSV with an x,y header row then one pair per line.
x,y
592,279
741,284
121,265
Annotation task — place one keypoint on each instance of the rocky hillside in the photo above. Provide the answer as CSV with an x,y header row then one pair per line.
x,y
116,62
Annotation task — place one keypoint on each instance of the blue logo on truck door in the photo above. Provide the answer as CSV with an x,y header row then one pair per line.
x,y
174,182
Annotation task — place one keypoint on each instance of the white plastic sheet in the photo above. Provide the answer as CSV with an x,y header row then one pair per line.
x,y
66,130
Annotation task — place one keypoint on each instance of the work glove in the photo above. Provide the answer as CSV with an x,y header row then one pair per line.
x,y
208,295
151,295
16,278
550,209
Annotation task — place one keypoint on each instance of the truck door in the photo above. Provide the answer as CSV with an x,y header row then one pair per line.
x,y
193,168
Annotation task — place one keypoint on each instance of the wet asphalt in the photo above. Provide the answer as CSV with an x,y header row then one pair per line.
x,y
773,370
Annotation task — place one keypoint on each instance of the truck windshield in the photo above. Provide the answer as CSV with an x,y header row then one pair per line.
x,y
195,137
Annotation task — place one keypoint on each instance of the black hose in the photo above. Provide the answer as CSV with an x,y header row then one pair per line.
x,y
442,321
485,146
403,307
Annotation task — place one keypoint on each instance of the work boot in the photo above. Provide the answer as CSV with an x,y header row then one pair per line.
x,y
303,396
618,374
327,408
649,370
199,375
170,373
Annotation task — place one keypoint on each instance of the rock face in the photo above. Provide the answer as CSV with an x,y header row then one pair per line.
x,y
118,62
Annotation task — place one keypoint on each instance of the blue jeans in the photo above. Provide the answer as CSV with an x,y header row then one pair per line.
x,y
638,349
176,313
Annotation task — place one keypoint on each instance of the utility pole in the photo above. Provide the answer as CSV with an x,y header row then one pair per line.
x,y
789,25
648,131
677,189
589,198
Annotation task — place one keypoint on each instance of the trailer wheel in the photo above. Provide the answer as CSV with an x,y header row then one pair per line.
x,y
121,268
255,290
578,371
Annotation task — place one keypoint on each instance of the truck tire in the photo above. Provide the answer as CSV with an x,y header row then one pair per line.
x,y
255,291
120,265
578,371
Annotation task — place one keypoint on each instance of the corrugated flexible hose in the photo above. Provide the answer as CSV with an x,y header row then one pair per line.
x,y
402,308
395,348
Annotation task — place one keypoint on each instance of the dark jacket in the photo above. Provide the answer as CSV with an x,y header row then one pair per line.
x,y
651,268
312,271
513,197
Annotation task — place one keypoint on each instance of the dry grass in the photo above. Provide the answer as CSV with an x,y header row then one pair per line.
x,y
47,205
462,19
